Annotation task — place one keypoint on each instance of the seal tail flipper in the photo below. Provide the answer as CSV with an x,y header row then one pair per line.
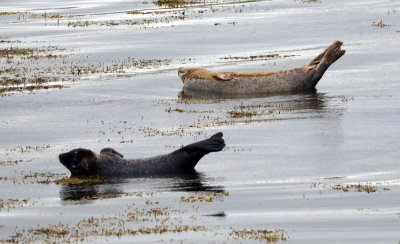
x,y
330,55
195,151
333,51
317,59
213,144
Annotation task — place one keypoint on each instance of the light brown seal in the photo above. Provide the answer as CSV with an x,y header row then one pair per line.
x,y
110,163
303,78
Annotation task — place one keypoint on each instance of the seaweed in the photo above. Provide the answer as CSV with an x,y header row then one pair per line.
x,y
368,188
268,236
380,24
176,3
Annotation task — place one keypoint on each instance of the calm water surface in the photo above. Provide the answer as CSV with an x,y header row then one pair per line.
x,y
319,167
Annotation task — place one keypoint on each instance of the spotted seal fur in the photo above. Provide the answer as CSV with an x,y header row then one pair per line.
x,y
303,78
110,163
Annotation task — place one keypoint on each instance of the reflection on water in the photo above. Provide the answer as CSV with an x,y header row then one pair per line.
x,y
88,192
190,94
289,102
189,182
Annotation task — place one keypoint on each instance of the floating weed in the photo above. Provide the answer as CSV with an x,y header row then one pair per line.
x,y
176,3
379,24
30,53
41,178
10,13
34,178
252,57
146,12
50,232
207,122
368,188
113,226
8,41
256,57
245,111
270,236
188,101
148,202
26,149
31,69
250,113
30,88
119,66
10,162
23,69
11,52
52,16
311,1
8,204
241,114
4,178
80,23
93,180
38,81
144,215
141,23
205,197
169,110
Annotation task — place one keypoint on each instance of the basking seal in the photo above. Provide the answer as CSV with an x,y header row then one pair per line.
x,y
303,78
110,163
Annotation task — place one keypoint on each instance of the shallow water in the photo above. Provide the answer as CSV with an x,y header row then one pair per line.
x,y
281,165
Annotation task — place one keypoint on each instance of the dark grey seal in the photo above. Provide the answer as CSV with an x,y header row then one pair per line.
x,y
110,163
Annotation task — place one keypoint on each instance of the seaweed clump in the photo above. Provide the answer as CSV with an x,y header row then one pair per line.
x,y
368,188
175,3
260,235
94,180
12,203
379,24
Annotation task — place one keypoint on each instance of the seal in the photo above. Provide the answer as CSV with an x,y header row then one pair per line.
x,y
110,163
303,78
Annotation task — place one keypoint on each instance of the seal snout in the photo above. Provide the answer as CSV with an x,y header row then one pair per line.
x,y
63,157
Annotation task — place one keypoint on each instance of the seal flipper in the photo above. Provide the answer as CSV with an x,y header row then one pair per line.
x,y
213,144
225,76
187,157
112,151
324,60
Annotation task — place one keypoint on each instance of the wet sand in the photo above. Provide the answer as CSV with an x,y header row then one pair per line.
x,y
298,168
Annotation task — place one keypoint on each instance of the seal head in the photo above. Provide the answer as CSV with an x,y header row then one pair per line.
x,y
80,161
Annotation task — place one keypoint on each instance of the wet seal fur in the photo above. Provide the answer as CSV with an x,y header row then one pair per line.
x,y
303,78
110,163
